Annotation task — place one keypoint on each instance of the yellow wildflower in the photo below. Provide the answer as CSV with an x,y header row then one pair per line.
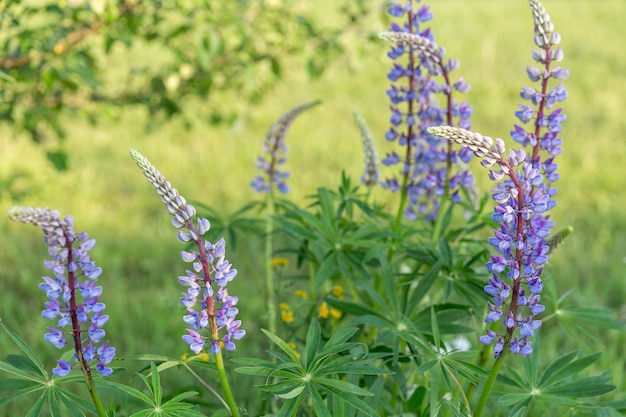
x,y
324,311
338,292
284,306
279,262
335,313
302,294
287,316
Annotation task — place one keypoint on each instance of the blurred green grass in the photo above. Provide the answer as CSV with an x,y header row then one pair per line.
x,y
137,248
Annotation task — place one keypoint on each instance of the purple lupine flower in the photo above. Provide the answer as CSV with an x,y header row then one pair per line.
x,y
371,173
275,149
524,196
72,290
205,307
427,160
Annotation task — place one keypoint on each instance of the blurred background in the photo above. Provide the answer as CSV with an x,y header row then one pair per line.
x,y
194,86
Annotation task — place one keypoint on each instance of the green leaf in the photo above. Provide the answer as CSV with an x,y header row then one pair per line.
x,y
593,316
563,367
313,339
35,410
510,399
335,386
584,387
293,393
289,407
283,346
21,344
424,285
318,404
326,269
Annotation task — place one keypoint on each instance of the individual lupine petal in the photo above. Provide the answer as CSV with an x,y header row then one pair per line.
x,y
534,74
529,326
194,340
63,369
105,353
488,338
203,226
103,370
525,347
56,338
188,256
497,349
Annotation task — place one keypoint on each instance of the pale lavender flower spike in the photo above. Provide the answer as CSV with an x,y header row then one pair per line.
x,y
73,296
275,149
206,307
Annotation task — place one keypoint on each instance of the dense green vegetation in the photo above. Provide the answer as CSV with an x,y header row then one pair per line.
x,y
214,164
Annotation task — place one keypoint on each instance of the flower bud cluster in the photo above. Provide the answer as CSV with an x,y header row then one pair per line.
x,y
205,307
276,149
73,296
426,160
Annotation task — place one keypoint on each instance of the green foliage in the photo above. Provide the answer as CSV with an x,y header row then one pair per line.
x,y
28,376
174,407
318,374
538,392
64,58
411,291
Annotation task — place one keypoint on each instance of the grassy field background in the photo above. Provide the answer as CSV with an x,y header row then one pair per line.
x,y
137,247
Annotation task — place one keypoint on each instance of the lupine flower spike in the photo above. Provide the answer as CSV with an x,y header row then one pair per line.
x,y
206,299
524,196
276,150
72,291
371,173
427,160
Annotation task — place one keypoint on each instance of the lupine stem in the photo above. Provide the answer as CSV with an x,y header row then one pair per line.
x,y
228,394
269,273
76,332
484,396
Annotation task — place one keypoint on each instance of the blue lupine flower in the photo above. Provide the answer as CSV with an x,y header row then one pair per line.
x,y
72,291
524,194
427,160
275,149
206,308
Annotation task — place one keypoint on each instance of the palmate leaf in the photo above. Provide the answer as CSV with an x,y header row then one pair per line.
x,y
29,376
175,407
319,372
30,354
556,386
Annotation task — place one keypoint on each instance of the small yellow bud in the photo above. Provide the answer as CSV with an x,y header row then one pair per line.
x,y
58,48
302,294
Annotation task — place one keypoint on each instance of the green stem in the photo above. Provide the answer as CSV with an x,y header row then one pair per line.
x,y
312,291
269,273
403,197
228,394
443,206
484,396
94,394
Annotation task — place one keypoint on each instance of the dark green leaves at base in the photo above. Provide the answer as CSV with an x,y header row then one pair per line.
x,y
322,373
